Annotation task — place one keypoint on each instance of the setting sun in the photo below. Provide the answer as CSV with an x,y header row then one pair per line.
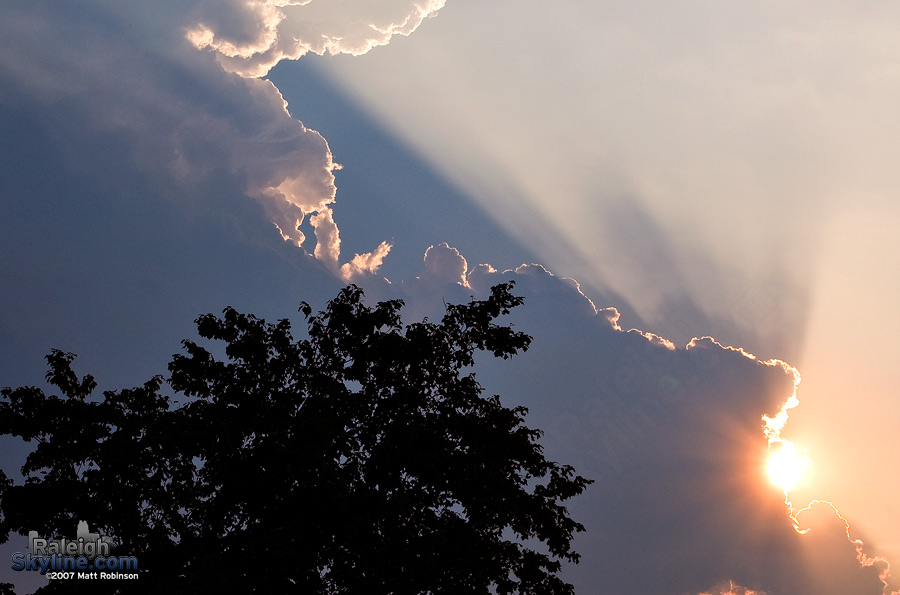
x,y
786,466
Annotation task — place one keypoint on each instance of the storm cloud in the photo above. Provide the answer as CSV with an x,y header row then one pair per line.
x,y
152,175
674,436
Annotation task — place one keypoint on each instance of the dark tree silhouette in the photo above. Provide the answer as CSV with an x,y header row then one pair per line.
x,y
362,459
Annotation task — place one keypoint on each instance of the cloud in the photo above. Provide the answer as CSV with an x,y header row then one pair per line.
x,y
178,114
673,435
754,144
677,440
365,264
251,37
445,265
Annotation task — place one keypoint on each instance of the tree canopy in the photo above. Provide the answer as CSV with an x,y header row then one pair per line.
x,y
362,458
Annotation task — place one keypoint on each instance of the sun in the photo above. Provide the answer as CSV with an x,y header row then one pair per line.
x,y
786,465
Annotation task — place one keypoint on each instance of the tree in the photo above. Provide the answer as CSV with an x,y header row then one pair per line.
x,y
361,459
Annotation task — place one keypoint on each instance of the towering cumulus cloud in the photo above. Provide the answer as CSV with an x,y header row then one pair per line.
x,y
180,85
249,38
678,440
163,101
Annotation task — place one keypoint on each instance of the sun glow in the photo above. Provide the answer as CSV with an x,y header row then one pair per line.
x,y
786,465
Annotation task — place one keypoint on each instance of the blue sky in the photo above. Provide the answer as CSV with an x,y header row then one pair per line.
x,y
703,170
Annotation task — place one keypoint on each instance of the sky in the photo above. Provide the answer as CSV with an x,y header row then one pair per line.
x,y
698,202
